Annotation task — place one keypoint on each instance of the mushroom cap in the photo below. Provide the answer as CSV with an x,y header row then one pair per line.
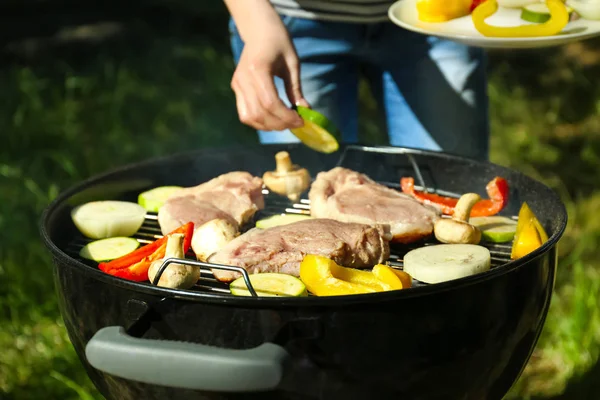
x,y
288,179
212,236
456,232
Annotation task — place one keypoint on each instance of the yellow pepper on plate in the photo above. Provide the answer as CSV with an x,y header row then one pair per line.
x,y
559,18
323,277
442,10
530,234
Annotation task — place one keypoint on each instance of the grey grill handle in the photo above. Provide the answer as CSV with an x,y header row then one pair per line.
x,y
186,365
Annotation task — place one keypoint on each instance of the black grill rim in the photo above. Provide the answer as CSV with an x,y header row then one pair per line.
x,y
60,257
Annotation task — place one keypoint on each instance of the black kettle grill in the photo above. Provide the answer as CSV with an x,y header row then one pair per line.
x,y
467,339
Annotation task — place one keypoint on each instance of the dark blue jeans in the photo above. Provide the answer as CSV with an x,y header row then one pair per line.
x,y
433,91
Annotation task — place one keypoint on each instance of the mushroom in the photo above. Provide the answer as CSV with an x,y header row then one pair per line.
x,y
212,236
288,179
175,276
458,229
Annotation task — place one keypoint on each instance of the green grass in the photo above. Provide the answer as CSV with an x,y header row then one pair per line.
x,y
64,118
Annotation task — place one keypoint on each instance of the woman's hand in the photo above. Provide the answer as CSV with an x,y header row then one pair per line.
x,y
268,52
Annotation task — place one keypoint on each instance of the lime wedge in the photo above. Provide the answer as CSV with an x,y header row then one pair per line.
x,y
495,229
154,199
270,285
282,219
318,132
109,249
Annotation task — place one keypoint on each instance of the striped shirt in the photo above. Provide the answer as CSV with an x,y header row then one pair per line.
x,y
361,11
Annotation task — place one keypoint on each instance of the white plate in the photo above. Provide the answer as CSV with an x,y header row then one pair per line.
x,y
404,13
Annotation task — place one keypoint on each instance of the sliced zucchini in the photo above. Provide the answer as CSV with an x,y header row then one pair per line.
x,y
108,249
152,200
270,285
445,262
280,219
537,13
495,229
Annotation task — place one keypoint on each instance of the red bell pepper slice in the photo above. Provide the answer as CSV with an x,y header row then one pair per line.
x,y
497,190
139,271
134,266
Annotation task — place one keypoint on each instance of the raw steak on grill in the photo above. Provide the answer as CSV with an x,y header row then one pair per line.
x,y
348,196
234,197
282,248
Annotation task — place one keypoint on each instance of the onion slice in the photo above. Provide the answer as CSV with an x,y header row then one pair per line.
x,y
445,262
104,219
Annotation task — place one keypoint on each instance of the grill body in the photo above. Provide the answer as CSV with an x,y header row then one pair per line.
x,y
467,339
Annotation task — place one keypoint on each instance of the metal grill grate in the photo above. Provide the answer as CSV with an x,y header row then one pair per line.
x,y
275,204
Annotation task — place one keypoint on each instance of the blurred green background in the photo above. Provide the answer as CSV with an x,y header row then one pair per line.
x,y
88,86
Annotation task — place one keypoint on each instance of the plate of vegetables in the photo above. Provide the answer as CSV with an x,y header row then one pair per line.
x,y
501,23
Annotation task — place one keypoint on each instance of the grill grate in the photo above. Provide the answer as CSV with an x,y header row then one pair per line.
x,y
276,204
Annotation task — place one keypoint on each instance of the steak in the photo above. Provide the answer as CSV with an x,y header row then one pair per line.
x,y
348,196
234,197
281,249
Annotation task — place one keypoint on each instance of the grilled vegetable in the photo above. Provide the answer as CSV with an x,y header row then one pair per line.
x,y
530,233
559,17
442,10
321,277
108,249
175,276
497,190
405,278
367,278
388,276
445,262
288,179
134,266
458,229
270,285
212,236
110,218
495,229
281,219
152,200
317,132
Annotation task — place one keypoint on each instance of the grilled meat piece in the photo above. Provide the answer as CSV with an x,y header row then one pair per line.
x,y
282,248
234,197
348,196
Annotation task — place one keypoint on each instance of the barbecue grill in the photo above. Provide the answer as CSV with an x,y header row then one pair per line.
x,y
464,339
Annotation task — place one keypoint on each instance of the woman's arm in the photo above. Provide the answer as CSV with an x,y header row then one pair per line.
x,y
268,52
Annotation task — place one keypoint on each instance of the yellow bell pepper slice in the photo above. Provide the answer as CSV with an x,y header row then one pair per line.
x,y
388,276
530,233
405,278
322,278
442,10
365,278
559,17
